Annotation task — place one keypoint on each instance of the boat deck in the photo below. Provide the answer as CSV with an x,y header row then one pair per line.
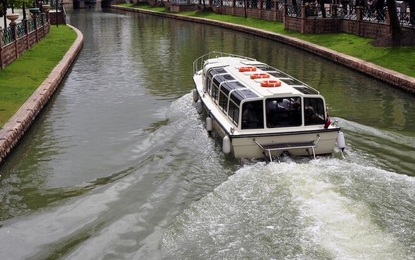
x,y
268,148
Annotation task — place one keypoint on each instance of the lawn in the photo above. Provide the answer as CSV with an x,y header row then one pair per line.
x,y
20,79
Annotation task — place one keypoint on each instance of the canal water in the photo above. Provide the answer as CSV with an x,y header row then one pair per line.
x,y
119,165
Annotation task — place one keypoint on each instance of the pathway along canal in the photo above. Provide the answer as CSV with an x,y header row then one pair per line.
x,y
119,165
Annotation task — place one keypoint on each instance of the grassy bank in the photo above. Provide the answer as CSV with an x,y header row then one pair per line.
x,y
20,79
399,59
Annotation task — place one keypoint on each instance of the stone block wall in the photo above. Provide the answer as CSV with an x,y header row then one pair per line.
x,y
183,8
15,128
57,17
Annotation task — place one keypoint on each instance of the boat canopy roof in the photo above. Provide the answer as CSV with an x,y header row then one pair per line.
x,y
251,79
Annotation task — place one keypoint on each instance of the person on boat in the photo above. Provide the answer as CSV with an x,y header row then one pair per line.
x,y
289,104
249,119
311,117
272,105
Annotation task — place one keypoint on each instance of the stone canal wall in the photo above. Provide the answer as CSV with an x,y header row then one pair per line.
x,y
15,128
394,78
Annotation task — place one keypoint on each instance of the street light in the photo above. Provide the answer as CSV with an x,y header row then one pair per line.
x,y
56,14
24,11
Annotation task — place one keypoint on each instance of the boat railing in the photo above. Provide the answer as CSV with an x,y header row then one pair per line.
x,y
199,62
268,148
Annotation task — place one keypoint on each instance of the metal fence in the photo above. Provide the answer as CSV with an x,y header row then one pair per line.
x,y
346,11
405,17
19,37
22,28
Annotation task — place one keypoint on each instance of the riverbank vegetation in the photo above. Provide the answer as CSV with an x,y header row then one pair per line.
x,y
399,59
20,79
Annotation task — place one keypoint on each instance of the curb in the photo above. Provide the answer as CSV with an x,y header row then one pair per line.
x,y
15,128
391,77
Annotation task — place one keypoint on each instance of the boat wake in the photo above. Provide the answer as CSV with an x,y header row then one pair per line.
x,y
379,148
325,209
353,205
180,197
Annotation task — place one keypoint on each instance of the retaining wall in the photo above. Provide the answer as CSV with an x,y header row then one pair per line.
x,y
14,129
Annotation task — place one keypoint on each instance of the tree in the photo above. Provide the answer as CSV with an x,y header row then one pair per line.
x,y
396,30
322,8
399,36
13,4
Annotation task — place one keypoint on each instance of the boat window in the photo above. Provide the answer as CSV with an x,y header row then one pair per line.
x,y
291,82
241,94
221,78
225,88
306,90
233,111
208,85
273,71
216,75
217,81
283,112
215,91
252,115
218,70
223,98
236,98
314,111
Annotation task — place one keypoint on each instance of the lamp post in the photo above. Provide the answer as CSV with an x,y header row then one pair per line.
x,y
56,14
4,10
24,11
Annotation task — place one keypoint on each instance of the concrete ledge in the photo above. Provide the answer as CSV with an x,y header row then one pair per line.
x,y
15,128
394,78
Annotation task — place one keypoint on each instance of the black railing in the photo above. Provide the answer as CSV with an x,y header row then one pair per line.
x,y
22,29
407,19
313,9
8,35
294,10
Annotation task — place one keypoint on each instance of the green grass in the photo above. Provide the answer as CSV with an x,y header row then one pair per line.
x,y
20,79
399,59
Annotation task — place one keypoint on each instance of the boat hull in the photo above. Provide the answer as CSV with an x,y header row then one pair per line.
x,y
244,146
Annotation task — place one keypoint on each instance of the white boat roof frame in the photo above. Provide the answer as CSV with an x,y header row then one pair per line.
x,y
231,63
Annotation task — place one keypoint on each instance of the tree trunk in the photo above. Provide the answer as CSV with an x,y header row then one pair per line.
x,y
322,9
396,30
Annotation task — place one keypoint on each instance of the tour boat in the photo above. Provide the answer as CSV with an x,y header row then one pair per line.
x,y
261,112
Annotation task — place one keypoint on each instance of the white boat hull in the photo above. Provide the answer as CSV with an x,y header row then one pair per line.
x,y
244,146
